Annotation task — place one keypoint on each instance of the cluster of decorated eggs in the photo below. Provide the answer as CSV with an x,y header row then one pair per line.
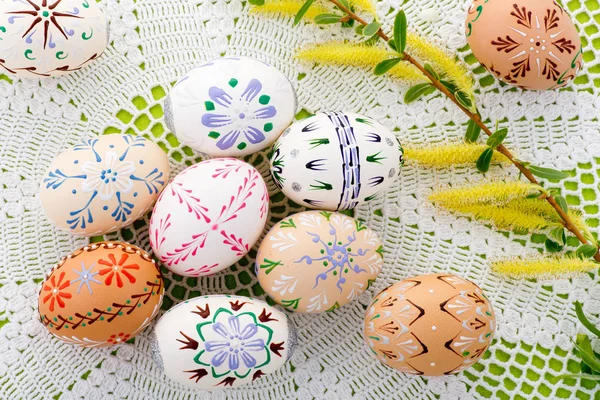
x,y
212,213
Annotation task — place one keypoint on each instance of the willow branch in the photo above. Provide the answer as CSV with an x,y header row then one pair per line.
x,y
567,221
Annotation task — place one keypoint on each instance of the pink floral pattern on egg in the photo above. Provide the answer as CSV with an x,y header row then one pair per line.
x,y
209,217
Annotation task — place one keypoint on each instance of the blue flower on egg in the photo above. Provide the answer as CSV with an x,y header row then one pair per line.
x,y
104,177
108,178
239,116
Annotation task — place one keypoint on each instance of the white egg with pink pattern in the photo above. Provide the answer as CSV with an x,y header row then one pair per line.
x,y
209,217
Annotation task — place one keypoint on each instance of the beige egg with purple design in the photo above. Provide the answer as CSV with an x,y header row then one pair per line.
x,y
103,184
231,106
43,38
318,261
220,341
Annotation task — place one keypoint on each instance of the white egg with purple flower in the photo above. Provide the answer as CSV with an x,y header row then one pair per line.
x,y
230,106
221,341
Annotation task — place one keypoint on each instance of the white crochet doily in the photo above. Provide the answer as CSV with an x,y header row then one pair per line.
x,y
153,42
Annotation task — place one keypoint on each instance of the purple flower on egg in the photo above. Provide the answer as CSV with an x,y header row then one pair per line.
x,y
234,343
238,117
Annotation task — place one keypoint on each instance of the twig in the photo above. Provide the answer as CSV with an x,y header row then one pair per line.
x,y
567,221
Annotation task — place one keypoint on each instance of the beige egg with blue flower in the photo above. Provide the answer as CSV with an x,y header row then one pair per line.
x,y
43,38
231,106
219,341
103,184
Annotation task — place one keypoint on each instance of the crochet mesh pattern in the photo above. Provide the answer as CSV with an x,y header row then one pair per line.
x,y
153,42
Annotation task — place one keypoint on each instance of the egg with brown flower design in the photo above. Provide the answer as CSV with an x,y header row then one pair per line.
x,y
532,44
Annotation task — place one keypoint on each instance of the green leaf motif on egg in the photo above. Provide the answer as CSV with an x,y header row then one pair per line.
x,y
335,160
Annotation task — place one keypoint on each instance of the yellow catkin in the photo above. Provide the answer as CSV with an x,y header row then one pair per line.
x,y
358,55
288,8
365,5
441,61
449,154
486,193
503,218
543,267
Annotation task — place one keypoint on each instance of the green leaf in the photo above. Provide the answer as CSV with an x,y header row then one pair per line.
x,y
386,65
526,164
345,4
371,29
257,2
400,32
302,11
552,246
392,44
359,30
432,71
418,90
558,236
584,321
449,85
473,131
464,100
497,138
584,346
562,203
323,19
548,173
587,250
577,376
484,160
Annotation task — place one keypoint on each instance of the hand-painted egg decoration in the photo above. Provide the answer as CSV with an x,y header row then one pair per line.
x,y
313,261
231,106
101,295
209,216
335,161
532,44
42,38
431,325
213,342
103,184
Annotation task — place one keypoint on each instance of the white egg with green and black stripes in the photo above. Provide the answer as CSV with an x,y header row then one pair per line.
x,y
335,160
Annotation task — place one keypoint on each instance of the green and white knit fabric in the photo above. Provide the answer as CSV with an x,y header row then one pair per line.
x,y
153,42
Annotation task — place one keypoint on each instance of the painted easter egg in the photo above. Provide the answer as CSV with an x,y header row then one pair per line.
x,y
335,161
231,106
532,44
313,261
42,38
209,216
103,184
101,295
213,342
432,325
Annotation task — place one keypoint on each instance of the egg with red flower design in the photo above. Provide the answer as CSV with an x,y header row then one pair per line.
x,y
101,295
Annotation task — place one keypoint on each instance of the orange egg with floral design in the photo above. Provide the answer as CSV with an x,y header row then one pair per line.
x,y
100,295
532,44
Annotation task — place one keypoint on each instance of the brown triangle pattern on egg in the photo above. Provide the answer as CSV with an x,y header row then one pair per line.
x,y
430,325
